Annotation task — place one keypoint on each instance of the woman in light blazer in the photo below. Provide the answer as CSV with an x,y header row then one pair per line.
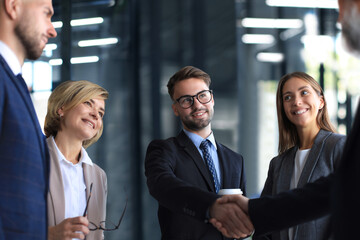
x,y
309,148
73,122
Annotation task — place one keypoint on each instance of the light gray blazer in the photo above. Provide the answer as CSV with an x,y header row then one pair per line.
x,y
56,197
324,158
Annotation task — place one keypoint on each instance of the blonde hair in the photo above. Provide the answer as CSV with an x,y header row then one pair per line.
x,y
68,95
288,136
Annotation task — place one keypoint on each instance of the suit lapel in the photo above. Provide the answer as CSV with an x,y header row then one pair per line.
x,y
87,179
194,154
313,157
56,184
287,169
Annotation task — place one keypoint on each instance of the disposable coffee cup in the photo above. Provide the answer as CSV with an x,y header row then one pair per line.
x,y
230,191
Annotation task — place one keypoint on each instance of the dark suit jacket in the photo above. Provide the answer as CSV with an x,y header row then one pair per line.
x,y
337,194
24,162
179,180
324,158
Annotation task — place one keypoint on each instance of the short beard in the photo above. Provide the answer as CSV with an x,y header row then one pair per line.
x,y
196,126
351,29
30,39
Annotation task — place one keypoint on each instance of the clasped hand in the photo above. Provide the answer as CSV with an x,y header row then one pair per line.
x,y
69,228
229,214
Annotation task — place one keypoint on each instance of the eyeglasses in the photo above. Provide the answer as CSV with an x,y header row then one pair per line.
x,y
110,226
187,101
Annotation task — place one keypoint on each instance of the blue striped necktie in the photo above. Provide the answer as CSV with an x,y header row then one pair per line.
x,y
204,146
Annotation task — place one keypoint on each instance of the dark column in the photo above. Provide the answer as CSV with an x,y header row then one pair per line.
x,y
247,98
322,75
198,33
137,172
155,67
322,32
66,40
349,117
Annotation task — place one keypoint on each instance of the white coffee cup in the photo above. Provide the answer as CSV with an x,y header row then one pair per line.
x,y
230,191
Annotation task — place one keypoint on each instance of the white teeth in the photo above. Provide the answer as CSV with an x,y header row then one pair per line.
x,y
198,114
90,124
300,111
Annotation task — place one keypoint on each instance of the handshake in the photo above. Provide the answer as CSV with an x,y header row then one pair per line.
x,y
229,214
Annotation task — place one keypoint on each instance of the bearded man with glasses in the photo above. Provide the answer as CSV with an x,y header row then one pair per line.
x,y
184,173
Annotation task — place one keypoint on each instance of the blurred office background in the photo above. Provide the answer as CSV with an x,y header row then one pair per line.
x,y
132,47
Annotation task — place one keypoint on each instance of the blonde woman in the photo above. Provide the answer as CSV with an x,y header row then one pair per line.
x,y
309,148
73,122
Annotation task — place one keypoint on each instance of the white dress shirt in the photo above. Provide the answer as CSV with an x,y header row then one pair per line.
x,y
300,160
10,58
74,183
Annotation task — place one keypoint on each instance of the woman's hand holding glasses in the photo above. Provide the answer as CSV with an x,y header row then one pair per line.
x,y
69,228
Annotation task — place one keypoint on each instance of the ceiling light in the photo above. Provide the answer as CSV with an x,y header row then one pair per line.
x,y
270,57
57,24
97,42
258,39
331,4
80,22
89,59
75,60
271,23
86,21
50,46
56,62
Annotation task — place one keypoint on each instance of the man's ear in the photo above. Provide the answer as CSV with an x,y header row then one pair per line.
x,y
12,8
341,10
175,109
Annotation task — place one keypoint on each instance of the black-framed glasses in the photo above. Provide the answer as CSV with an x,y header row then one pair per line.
x,y
104,225
187,101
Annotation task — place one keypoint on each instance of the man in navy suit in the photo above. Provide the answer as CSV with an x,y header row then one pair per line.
x,y
25,27
184,173
338,194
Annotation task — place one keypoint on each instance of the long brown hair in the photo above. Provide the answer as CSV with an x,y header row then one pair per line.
x,y
288,136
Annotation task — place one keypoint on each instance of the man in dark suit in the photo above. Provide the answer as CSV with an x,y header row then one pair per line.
x,y
338,194
25,27
184,173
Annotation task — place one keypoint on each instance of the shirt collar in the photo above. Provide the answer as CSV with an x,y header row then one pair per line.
x,y
10,58
196,139
84,156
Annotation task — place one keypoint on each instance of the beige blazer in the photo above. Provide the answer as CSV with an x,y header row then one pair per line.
x,y
56,198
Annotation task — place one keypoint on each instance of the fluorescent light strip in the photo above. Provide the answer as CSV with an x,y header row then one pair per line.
x,y
89,59
57,24
75,60
86,21
80,22
56,62
270,57
97,42
330,4
258,39
50,46
271,23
